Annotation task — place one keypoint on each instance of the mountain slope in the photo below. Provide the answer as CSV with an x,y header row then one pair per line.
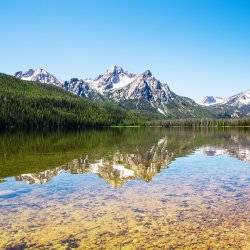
x,y
82,88
27,104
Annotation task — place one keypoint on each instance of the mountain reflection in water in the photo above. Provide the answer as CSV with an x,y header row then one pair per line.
x,y
116,170
119,165
174,189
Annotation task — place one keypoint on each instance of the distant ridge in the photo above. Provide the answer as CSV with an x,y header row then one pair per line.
x,y
234,106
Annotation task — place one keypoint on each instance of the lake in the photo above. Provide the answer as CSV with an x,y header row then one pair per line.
x,y
125,188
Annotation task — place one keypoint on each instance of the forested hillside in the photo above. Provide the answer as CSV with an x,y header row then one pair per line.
x,y
31,105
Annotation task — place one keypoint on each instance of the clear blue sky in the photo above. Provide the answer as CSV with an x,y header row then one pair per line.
x,y
200,47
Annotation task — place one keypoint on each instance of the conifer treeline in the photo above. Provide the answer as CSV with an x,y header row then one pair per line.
x,y
235,122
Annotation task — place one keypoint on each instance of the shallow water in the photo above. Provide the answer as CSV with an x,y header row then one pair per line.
x,y
125,189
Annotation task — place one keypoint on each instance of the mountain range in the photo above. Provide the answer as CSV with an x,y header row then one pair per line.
x,y
145,93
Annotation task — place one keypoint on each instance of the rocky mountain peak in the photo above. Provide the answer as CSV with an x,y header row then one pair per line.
x,y
147,73
211,100
115,70
38,75
114,78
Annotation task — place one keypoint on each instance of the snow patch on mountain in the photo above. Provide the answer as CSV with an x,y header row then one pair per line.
x,y
161,111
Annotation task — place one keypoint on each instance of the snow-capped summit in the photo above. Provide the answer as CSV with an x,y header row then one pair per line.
x,y
114,78
211,100
39,75
240,99
140,91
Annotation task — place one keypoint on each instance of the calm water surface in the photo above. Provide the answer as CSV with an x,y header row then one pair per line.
x,y
125,189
